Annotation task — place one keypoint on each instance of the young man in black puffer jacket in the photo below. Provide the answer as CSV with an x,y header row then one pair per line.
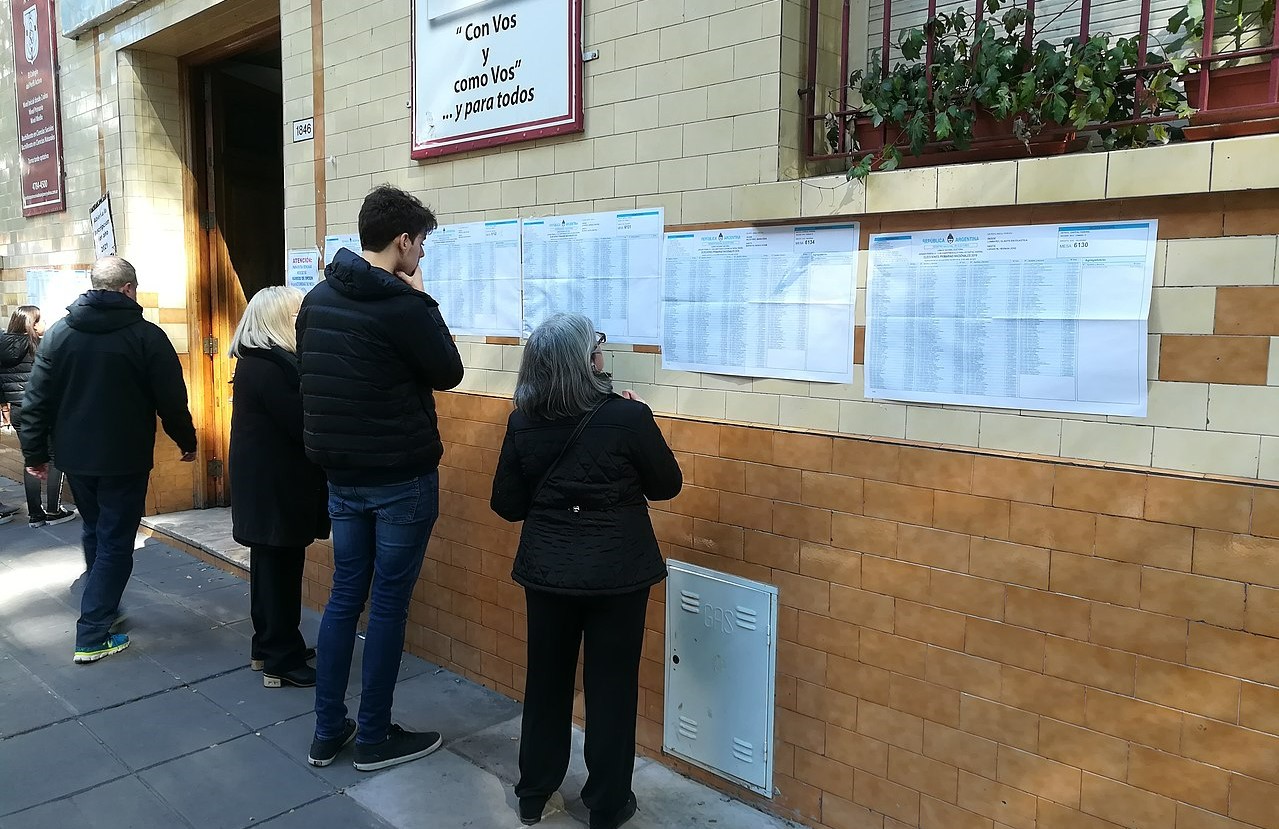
x,y
373,347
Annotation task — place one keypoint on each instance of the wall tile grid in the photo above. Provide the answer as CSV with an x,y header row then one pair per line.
x,y
965,639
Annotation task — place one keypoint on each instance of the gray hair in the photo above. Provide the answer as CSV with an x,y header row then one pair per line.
x,y
556,378
111,273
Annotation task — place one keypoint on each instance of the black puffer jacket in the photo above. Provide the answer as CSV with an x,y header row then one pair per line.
x,y
372,350
589,531
16,359
101,375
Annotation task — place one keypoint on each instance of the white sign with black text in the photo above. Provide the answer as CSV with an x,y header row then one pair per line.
x,y
303,130
103,227
494,72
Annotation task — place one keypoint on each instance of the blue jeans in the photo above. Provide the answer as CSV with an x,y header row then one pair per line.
x,y
111,507
379,540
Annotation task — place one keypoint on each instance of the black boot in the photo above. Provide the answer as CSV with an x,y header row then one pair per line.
x,y
531,809
303,677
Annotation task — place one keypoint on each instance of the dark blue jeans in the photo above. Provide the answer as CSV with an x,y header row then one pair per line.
x,y
111,507
379,540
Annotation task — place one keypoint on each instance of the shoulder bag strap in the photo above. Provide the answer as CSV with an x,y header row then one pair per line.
x,y
564,450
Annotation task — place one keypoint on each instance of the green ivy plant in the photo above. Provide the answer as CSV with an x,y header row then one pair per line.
x,y
1235,21
985,66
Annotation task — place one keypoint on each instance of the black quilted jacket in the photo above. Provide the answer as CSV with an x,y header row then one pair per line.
x,y
589,532
372,351
16,358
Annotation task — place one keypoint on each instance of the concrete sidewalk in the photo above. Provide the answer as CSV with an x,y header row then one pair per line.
x,y
178,732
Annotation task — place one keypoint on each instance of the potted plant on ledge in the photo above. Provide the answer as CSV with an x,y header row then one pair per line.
x,y
971,89
1238,100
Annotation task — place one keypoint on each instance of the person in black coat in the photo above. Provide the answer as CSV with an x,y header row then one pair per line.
x,y
17,355
277,495
102,376
578,466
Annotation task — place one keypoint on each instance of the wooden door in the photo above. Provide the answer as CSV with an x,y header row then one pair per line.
x,y
243,224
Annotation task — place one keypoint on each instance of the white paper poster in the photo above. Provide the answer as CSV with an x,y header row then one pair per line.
x,y
488,72
52,291
332,244
1047,317
103,227
473,271
607,266
762,302
302,270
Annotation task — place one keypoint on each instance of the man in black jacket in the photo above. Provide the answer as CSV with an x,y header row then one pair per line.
x,y
101,376
373,347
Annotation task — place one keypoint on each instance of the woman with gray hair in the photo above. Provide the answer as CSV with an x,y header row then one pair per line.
x,y
578,466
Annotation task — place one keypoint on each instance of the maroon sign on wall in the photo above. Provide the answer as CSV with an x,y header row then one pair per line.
x,y
39,118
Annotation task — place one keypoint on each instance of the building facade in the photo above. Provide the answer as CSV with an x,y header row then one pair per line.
x,y
988,618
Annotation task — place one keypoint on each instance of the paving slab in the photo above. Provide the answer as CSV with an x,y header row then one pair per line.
x,y
28,702
188,579
52,762
293,737
222,604
126,676
440,790
668,800
163,727
497,750
229,786
241,694
122,804
335,812
442,701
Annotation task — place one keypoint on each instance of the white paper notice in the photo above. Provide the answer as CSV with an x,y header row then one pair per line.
x,y
762,302
332,244
473,271
607,266
103,227
302,269
52,291
1049,317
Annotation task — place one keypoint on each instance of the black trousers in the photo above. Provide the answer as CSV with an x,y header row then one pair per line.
x,y
35,506
275,602
613,628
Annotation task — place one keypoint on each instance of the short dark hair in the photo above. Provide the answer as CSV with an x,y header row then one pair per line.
x,y
389,211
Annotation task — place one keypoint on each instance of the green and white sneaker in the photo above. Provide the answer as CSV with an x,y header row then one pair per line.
x,y
115,643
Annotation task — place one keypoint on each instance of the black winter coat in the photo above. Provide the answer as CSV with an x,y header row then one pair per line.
x,y
589,532
372,349
101,375
16,358
278,497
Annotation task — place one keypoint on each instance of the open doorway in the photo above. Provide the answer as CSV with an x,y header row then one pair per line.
x,y
236,117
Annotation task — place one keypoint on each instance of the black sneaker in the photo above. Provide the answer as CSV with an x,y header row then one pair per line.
x,y
400,746
599,821
324,752
52,519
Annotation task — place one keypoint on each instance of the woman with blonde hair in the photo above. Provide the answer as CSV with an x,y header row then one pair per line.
x,y
277,495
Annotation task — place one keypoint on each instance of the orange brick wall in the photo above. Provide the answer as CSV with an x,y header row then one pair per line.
x,y
967,640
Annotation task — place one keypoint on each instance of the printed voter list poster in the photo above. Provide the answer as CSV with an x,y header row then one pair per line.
x,y
333,244
762,301
1046,317
53,290
473,271
607,266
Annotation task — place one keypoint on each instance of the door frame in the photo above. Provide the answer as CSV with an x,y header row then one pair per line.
x,y
203,243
